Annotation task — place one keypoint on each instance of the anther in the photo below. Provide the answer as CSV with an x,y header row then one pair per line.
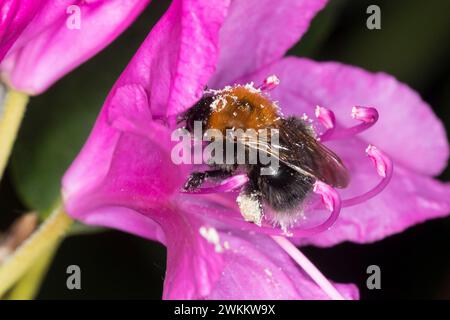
x,y
385,169
327,118
379,160
327,193
269,83
367,115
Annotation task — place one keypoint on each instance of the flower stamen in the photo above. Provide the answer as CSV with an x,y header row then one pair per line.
x,y
270,83
327,118
332,201
367,115
385,169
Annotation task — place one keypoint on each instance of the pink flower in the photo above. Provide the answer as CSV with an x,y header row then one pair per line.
x,y
15,15
124,177
38,45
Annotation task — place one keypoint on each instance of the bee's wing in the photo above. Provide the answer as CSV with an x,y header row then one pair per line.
x,y
299,148
303,153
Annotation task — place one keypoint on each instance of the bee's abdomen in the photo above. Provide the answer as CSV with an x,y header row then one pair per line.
x,y
285,190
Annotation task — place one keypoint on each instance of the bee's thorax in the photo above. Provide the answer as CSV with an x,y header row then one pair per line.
x,y
242,107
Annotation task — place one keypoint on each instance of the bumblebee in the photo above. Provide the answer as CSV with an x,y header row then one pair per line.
x,y
302,158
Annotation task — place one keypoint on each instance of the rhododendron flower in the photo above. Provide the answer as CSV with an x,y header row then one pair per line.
x,y
124,177
38,47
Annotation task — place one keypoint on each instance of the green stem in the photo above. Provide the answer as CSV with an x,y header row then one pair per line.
x,y
42,240
28,286
10,119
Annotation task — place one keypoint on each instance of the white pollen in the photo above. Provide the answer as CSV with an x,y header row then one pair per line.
x,y
219,103
286,232
250,208
268,272
212,236
227,89
273,79
251,87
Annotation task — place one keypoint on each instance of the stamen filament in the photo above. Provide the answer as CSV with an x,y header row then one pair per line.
x,y
308,267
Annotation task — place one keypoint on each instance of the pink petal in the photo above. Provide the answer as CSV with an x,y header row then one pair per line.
x,y
126,148
407,130
409,199
193,264
124,219
14,17
179,56
194,260
125,181
47,49
258,32
124,177
256,268
120,168
126,161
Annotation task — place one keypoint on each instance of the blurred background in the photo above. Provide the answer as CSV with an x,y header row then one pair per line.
x,y
413,45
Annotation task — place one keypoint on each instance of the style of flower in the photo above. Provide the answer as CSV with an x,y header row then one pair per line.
x,y
124,178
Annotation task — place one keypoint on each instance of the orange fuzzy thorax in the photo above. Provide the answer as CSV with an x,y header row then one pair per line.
x,y
242,107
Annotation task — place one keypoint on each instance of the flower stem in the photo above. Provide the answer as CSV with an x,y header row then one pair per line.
x,y
309,267
10,119
42,240
28,286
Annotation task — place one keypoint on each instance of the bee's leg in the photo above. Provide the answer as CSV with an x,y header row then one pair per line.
x,y
196,179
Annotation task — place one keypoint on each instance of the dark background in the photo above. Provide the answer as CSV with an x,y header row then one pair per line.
x,y
413,45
